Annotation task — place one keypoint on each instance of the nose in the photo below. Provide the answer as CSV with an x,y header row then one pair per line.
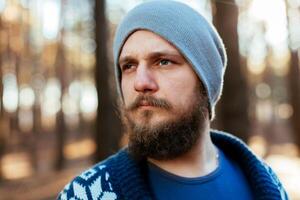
x,y
145,81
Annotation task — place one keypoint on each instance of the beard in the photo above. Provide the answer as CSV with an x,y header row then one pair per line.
x,y
168,139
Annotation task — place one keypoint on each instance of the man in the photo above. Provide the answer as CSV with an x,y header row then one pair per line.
x,y
169,64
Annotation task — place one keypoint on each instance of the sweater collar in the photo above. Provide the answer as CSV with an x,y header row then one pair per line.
x,y
263,182
133,184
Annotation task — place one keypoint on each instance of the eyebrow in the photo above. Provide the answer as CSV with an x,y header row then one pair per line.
x,y
126,59
150,56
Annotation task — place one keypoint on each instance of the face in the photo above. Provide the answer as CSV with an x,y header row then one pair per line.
x,y
152,67
160,89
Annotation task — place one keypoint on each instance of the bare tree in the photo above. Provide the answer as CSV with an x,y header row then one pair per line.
x,y
108,128
60,119
2,135
294,91
61,129
293,76
233,107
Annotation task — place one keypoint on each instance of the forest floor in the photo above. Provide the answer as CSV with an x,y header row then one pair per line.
x,y
38,187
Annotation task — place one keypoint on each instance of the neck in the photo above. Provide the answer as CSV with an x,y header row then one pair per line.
x,y
199,161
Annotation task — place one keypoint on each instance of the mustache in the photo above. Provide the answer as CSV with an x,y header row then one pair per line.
x,y
151,101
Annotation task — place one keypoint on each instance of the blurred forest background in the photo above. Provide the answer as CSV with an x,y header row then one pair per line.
x,y
58,100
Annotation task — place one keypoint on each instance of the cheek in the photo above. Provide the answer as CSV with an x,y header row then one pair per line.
x,y
180,92
127,91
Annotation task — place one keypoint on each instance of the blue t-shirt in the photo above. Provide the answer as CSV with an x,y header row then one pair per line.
x,y
226,182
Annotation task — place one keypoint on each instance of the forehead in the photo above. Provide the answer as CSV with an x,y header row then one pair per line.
x,y
144,42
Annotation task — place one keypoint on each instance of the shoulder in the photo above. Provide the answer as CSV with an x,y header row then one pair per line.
x,y
276,181
94,183
251,164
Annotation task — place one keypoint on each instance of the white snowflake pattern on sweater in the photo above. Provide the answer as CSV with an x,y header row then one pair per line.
x,y
92,184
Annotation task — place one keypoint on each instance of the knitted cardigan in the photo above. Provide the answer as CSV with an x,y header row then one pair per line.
x,y
120,177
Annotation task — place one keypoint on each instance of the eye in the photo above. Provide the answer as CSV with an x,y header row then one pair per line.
x,y
164,62
127,67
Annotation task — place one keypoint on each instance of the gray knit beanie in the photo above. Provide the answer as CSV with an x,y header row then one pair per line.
x,y
188,31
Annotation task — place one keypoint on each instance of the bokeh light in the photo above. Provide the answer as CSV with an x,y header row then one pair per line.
x,y
2,5
27,97
10,92
263,90
284,111
51,97
51,19
89,100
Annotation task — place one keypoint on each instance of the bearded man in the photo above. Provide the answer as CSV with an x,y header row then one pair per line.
x,y
169,66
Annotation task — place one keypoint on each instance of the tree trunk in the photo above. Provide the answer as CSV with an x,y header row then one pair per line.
x,y
60,119
60,134
294,80
2,132
108,128
233,109
294,90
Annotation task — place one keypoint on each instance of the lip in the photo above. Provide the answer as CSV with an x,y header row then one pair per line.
x,y
142,106
145,104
